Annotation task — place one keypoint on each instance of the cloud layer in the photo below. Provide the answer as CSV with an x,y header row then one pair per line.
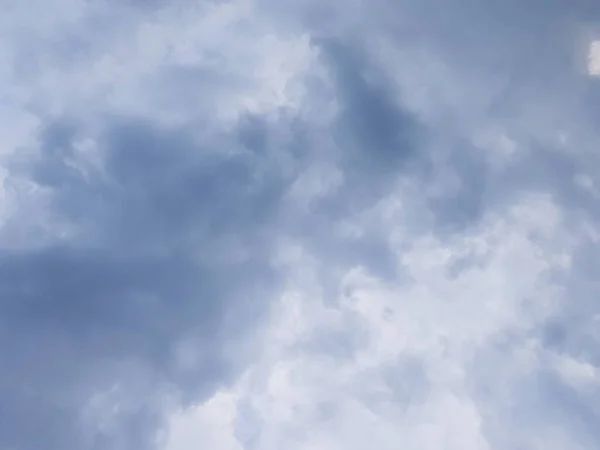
x,y
255,225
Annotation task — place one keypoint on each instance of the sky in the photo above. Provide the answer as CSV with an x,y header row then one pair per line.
x,y
316,225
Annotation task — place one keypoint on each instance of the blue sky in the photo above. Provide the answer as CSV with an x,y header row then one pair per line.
x,y
319,225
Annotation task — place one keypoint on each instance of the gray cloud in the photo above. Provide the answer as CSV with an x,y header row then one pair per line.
x,y
153,263
383,248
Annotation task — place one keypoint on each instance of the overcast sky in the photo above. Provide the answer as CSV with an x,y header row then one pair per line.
x,y
300,225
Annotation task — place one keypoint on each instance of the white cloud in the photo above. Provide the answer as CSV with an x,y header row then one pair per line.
x,y
132,62
388,363
594,59
209,425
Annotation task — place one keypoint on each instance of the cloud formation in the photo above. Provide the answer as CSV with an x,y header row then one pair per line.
x,y
255,225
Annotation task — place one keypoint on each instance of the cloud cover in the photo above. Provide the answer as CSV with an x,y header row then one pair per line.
x,y
259,225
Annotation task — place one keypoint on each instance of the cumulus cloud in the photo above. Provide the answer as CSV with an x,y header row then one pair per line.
x,y
263,225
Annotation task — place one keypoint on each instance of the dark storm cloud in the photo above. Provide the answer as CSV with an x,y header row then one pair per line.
x,y
155,263
524,55
375,131
377,142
